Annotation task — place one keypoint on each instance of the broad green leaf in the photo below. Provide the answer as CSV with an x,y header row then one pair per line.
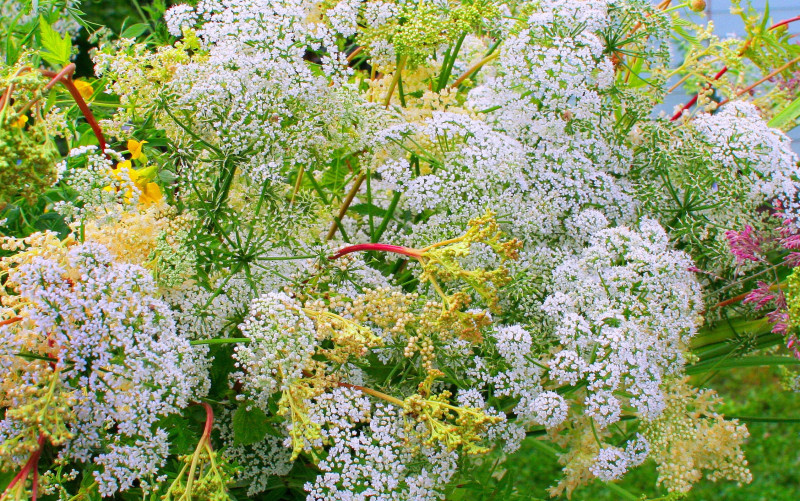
x,y
788,115
759,361
57,49
249,424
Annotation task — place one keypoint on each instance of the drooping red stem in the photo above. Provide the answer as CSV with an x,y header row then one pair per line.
x,y
209,420
396,249
31,464
65,76
66,71
725,69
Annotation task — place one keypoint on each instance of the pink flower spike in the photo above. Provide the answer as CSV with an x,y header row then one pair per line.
x,y
792,242
761,295
744,244
792,260
780,319
791,344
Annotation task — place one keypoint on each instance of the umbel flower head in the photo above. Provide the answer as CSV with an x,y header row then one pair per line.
x,y
114,357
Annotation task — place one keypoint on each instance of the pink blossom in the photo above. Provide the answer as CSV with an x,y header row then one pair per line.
x,y
792,344
792,242
744,244
762,295
780,319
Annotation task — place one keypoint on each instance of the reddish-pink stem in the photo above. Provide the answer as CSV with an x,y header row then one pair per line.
x,y
725,69
65,76
35,486
209,420
31,464
66,71
396,249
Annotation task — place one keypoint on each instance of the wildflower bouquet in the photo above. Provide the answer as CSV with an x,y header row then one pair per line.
x,y
363,249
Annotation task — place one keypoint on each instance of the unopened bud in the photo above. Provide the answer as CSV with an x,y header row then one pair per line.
x,y
697,5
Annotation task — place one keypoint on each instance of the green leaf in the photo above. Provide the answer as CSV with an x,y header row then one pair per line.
x,y
249,424
135,30
57,48
789,114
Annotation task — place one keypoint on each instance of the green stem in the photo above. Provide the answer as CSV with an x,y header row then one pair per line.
x,y
230,340
397,72
387,218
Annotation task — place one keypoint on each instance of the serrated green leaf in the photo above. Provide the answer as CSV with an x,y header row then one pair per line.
x,y
57,48
249,424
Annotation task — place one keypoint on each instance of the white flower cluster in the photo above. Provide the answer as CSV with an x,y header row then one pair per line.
x,y
549,409
118,351
375,461
282,341
613,462
519,375
256,95
257,462
624,311
474,167
750,155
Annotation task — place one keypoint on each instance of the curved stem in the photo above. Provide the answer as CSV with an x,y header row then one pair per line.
x,y
396,249
31,464
65,77
388,99
374,393
66,71
474,68
354,54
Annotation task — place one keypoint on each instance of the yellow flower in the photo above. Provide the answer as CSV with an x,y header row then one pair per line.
x,y
84,88
20,121
142,178
135,148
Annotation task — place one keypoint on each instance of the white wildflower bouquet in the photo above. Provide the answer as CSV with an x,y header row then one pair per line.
x,y
365,249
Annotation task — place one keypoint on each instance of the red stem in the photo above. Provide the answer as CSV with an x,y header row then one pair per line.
x,y
209,420
396,249
35,486
87,113
10,321
66,71
725,69
65,76
31,464
730,301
